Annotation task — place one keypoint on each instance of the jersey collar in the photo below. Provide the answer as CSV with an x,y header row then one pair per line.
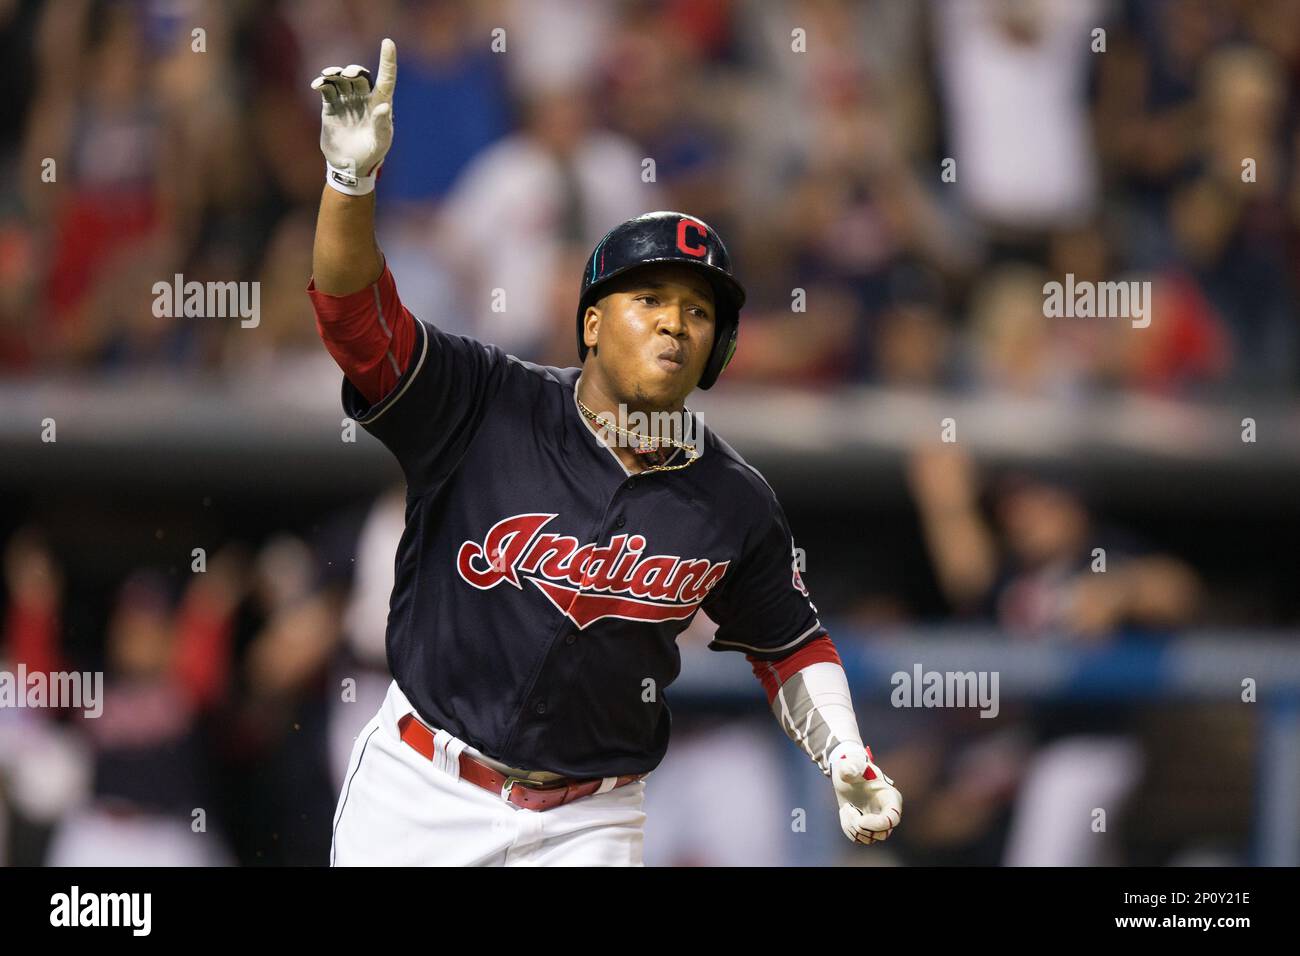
x,y
586,427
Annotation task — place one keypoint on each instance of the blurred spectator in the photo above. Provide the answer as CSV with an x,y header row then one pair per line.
x,y
686,823
1037,576
1015,349
651,70
913,346
44,766
962,777
1232,234
786,348
1147,124
509,219
364,660
279,736
452,97
849,52
34,585
1014,76
153,790
283,345
107,148
18,19
558,43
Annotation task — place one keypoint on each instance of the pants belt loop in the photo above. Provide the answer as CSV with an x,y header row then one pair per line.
x,y
606,785
446,753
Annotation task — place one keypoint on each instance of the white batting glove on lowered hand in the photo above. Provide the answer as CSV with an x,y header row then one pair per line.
x,y
870,805
356,127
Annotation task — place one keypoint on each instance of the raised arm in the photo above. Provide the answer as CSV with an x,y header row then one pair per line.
x,y
345,257
359,316
961,547
356,133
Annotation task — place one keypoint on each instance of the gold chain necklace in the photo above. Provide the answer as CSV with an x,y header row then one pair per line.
x,y
644,445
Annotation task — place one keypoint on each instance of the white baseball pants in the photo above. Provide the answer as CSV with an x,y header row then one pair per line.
x,y
398,808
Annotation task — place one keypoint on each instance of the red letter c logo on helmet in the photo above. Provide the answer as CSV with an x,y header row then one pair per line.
x,y
682,243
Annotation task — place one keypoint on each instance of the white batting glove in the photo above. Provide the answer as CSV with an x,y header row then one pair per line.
x,y
356,124
870,805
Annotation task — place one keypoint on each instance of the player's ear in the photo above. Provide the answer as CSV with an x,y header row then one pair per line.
x,y
591,326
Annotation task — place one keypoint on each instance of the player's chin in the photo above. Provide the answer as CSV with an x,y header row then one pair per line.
x,y
667,381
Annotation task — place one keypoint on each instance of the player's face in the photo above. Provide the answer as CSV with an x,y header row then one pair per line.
x,y
654,334
1042,523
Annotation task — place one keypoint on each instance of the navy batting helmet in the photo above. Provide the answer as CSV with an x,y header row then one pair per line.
x,y
669,237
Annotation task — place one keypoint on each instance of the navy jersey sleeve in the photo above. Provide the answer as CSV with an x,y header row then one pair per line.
x,y
431,415
765,610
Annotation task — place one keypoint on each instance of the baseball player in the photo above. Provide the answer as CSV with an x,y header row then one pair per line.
x,y
552,555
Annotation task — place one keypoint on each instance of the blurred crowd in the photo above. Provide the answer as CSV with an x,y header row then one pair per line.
x,y
233,695
894,199
917,170
212,746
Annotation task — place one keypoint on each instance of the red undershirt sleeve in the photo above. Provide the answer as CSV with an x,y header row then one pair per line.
x,y
370,334
772,674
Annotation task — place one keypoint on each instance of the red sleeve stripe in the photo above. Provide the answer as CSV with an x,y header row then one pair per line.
x,y
370,334
772,674
383,324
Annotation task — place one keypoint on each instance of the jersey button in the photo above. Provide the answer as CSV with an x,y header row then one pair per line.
x,y
620,521
540,707
570,638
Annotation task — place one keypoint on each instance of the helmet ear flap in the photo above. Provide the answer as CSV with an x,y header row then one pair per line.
x,y
720,357
731,347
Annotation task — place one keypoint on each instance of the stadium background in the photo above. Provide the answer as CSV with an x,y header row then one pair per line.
x,y
822,169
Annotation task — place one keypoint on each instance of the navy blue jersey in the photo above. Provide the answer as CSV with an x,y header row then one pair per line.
x,y
540,587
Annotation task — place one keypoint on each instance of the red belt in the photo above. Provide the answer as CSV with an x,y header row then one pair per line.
x,y
519,791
